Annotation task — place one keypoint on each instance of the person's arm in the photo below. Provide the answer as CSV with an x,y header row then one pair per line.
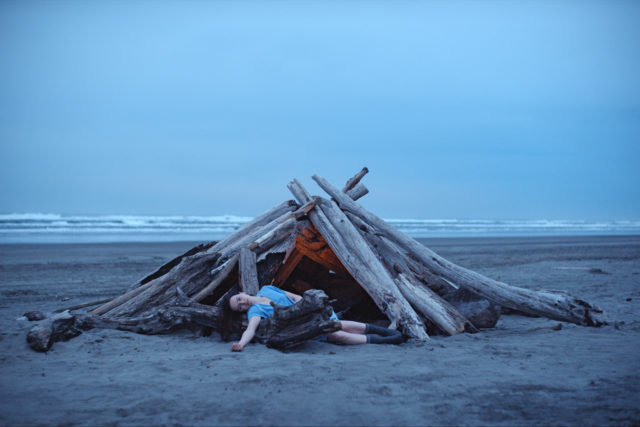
x,y
293,296
248,334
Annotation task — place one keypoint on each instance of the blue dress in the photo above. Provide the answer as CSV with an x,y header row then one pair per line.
x,y
276,295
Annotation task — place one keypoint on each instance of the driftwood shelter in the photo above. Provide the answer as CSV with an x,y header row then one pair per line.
x,y
370,270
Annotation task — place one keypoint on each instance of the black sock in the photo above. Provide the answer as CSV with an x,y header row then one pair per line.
x,y
391,339
379,330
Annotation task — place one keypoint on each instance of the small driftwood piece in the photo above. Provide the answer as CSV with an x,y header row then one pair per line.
x,y
290,326
556,305
354,180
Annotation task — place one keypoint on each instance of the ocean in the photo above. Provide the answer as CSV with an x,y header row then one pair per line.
x,y
56,228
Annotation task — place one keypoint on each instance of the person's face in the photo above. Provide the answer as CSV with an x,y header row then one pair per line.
x,y
240,302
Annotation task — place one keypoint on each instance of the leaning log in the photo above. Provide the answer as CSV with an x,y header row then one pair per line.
x,y
248,272
552,304
358,258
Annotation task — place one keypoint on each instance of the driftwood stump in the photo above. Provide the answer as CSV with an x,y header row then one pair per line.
x,y
292,325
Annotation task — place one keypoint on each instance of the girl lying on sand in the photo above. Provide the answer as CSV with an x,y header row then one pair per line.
x,y
259,307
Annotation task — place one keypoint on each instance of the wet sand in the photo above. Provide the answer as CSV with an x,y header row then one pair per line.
x,y
523,372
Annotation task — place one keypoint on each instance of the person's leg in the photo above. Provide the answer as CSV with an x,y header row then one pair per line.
x,y
353,327
346,338
366,328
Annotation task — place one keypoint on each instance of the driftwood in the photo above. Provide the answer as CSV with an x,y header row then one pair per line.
x,y
369,268
358,258
65,325
290,326
248,272
552,304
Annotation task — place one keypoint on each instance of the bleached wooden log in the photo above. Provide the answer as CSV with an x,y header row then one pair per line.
x,y
115,302
256,223
379,284
248,271
552,304
278,234
361,262
395,258
217,279
157,288
434,308
165,268
83,305
192,272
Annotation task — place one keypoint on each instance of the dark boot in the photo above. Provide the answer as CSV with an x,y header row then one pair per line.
x,y
396,338
378,330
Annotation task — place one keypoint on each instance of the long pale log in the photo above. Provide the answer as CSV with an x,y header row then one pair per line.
x,y
274,236
372,275
434,308
165,268
83,305
421,297
357,257
281,223
217,280
396,260
191,272
278,248
258,222
551,304
115,302
248,272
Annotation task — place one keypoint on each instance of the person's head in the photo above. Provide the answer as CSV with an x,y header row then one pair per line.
x,y
240,302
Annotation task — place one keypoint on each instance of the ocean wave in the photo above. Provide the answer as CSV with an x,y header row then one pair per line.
x,y
39,227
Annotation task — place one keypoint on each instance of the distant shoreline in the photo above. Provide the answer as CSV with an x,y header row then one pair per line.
x,y
55,228
440,239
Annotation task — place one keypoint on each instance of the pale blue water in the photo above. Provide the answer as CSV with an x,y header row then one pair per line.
x,y
55,228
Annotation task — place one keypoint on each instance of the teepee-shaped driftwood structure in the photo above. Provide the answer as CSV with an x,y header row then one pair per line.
x,y
335,244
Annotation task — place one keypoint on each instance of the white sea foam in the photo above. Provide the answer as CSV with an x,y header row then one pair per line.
x,y
39,227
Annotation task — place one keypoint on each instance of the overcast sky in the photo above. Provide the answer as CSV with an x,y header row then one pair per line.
x,y
493,110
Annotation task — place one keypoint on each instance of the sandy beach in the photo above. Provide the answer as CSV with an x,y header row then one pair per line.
x,y
526,371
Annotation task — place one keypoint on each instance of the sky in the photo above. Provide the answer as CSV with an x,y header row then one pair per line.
x,y
460,109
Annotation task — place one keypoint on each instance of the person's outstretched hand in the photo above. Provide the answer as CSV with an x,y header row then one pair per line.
x,y
236,346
